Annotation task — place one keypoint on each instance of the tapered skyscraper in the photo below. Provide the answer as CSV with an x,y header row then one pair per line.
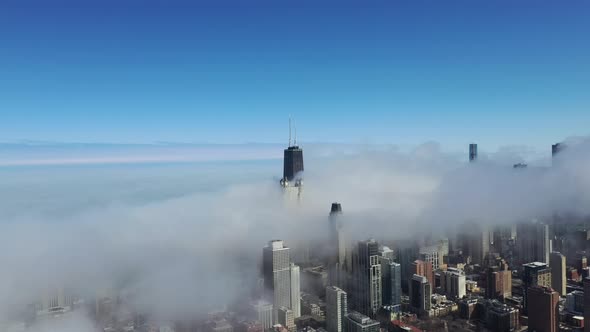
x,y
292,179
472,152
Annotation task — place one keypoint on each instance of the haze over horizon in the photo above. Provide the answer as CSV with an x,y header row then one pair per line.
x,y
499,73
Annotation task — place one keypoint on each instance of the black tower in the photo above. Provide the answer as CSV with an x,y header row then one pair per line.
x,y
472,152
556,148
292,162
336,208
293,159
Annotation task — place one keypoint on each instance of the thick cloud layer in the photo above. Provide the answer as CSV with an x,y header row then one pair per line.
x,y
187,238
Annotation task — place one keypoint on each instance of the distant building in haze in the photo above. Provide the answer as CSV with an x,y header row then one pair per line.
x,y
472,152
337,260
533,242
558,278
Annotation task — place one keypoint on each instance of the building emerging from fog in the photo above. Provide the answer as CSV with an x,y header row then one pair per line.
x,y
367,278
292,181
472,152
281,278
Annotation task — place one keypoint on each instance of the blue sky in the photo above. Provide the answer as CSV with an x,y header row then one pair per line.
x,y
494,72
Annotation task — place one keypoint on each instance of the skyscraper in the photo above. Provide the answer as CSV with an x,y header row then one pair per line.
x,y
292,181
420,292
472,152
535,274
556,148
391,281
543,309
276,270
478,243
367,278
295,290
337,260
336,309
558,278
533,242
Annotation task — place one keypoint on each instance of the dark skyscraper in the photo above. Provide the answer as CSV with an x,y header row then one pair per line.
x,y
556,148
292,162
472,152
293,158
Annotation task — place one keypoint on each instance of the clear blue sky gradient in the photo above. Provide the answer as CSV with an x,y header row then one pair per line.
x,y
495,72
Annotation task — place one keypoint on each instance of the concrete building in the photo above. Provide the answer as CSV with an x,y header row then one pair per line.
x,y
263,312
420,292
367,278
453,283
390,281
498,281
295,290
285,318
558,278
534,274
543,309
336,309
501,317
357,322
423,268
276,269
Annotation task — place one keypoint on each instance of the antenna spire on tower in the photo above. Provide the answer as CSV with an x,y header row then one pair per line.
x,y
289,131
295,139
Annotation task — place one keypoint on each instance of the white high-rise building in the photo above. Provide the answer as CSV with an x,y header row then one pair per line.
x,y
264,314
295,291
453,283
336,309
277,274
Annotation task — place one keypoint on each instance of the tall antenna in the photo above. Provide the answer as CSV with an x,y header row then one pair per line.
x,y
295,141
289,130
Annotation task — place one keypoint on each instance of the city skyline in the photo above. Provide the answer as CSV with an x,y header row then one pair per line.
x,y
294,166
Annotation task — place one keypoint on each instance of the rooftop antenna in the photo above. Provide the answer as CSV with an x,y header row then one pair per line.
x,y
295,140
289,131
